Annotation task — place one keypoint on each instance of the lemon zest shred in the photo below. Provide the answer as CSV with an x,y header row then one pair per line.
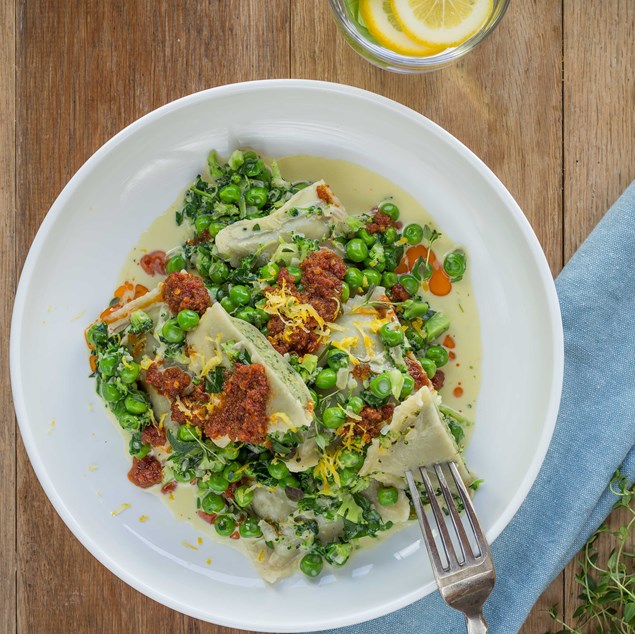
x,y
120,509
143,518
188,545
146,362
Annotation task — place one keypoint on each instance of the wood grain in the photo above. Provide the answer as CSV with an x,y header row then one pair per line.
x,y
8,274
105,65
85,70
599,142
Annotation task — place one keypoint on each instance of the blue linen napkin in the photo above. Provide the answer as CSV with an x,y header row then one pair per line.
x,y
594,436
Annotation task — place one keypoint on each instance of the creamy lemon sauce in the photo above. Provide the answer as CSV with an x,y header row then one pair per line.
x,y
360,190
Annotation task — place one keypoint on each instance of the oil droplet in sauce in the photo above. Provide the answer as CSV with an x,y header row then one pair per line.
x,y
458,391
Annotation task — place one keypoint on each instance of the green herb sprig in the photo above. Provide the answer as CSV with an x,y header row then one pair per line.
x,y
607,587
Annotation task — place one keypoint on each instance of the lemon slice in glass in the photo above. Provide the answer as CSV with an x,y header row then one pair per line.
x,y
441,22
384,27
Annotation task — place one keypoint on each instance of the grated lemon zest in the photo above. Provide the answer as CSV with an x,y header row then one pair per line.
x,y
120,509
261,555
146,362
284,418
188,545
214,361
293,313
143,518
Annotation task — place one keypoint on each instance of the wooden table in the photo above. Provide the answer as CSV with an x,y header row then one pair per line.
x,y
547,102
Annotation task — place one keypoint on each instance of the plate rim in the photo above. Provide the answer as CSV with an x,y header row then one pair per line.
x,y
537,254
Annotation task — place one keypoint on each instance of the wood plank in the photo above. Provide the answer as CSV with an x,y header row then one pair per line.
x,y
504,101
104,65
8,277
599,124
599,107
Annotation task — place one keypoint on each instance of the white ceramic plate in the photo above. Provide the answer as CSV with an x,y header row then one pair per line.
x,y
72,267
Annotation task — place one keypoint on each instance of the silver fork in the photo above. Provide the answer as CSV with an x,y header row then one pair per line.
x,y
464,582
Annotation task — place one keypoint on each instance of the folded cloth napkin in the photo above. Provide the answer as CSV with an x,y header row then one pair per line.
x,y
594,436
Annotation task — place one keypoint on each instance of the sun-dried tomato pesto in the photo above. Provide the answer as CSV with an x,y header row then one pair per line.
x,y
183,291
241,414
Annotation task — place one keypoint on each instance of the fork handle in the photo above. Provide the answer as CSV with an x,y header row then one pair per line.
x,y
476,624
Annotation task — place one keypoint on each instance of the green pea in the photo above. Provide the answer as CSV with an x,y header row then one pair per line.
x,y
390,209
247,314
387,496
229,193
413,233
269,272
175,264
314,396
256,196
391,334
203,263
201,223
337,359
407,387
225,525
240,295
355,404
230,451
429,367
218,482
346,291
347,476
454,265
250,528
108,364
296,271
130,422
326,379
311,565
354,278
186,433
415,339
410,283
215,228
227,304
135,403
390,235
371,277
278,469
262,317
218,272
388,279
233,472
129,372
243,496
172,332
438,354
351,459
356,250
290,481
213,503
368,238
381,386
333,418
188,319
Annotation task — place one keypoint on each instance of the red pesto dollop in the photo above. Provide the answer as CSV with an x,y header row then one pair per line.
x,y
183,291
241,414
145,472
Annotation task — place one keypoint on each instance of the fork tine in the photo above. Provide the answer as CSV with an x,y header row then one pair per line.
x,y
428,537
440,522
464,542
469,511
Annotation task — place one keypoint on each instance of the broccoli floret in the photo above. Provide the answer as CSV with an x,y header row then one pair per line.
x,y
350,509
140,322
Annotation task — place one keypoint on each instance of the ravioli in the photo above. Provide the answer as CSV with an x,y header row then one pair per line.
x,y
290,405
416,436
313,213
